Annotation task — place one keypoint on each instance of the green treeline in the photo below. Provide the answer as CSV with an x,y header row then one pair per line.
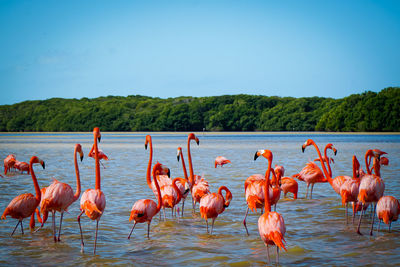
x,y
369,111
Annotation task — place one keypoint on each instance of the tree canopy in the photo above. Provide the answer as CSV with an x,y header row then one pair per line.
x,y
369,111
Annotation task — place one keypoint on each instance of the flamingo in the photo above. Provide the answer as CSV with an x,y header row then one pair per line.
x,y
388,210
371,188
25,205
9,163
271,225
350,188
311,174
21,166
199,186
184,182
213,204
288,184
221,161
101,156
145,209
93,201
59,196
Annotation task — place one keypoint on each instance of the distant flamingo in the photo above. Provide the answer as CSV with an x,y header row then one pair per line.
x,y
182,185
388,210
288,184
213,204
93,201
9,162
350,188
221,161
371,188
25,205
271,225
311,174
199,185
145,209
101,156
21,166
59,196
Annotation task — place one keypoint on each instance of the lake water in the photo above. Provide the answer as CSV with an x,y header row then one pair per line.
x,y
316,230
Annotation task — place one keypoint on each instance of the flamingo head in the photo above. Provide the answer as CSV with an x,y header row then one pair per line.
x,y
96,133
78,149
330,146
148,140
178,153
192,136
35,159
384,161
265,153
307,143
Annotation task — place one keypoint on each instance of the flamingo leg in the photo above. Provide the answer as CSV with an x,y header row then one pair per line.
x,y
80,229
148,230
390,224
347,221
54,225
183,205
22,228
172,210
277,255
244,221
268,254
212,225
372,223
207,225
129,236
379,225
354,211
95,237
15,227
312,187
306,193
102,165
59,229
165,218
275,207
359,222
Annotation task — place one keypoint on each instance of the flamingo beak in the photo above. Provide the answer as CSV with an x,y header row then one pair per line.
x,y
198,141
81,154
145,146
256,155
303,148
43,164
99,138
169,173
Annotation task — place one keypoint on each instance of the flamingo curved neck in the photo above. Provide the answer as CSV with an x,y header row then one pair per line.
x,y
78,178
327,161
178,192
367,161
35,182
148,173
328,177
158,193
191,178
184,168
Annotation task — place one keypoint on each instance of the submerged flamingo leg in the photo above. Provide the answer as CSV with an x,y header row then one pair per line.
x,y
212,225
129,236
390,224
268,254
277,255
372,224
379,225
244,221
95,237
306,193
54,225
148,230
22,228
59,229
359,222
347,217
15,227
80,229
312,187
207,225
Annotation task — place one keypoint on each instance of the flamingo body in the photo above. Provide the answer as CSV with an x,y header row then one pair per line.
x,y
388,209
21,207
57,196
143,210
271,227
93,202
221,161
289,184
211,205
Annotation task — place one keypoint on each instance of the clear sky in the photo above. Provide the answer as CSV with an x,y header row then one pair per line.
x,y
75,49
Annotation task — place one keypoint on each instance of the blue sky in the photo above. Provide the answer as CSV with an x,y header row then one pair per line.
x,y
75,49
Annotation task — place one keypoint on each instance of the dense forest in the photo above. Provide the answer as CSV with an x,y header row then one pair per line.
x,y
369,111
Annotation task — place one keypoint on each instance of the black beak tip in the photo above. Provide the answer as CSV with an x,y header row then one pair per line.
x,y
335,152
302,149
255,156
44,165
99,138
177,157
169,173
145,146
82,158
198,142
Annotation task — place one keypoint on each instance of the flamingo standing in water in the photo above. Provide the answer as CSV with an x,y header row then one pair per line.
x,y
184,182
221,161
22,166
93,201
388,210
199,186
350,188
371,188
9,163
271,225
213,204
25,205
144,209
59,196
288,184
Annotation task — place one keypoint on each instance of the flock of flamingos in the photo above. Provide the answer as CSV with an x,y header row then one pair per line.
x,y
362,189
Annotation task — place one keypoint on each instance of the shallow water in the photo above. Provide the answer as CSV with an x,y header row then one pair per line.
x,y
316,230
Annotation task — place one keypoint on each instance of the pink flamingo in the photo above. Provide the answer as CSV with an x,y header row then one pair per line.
x,y
221,161
93,201
199,185
271,225
22,166
184,183
25,205
59,196
145,209
287,184
388,210
101,156
9,163
350,188
213,204
371,188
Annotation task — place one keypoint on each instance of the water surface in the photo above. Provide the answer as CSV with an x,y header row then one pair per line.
x,y
316,230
